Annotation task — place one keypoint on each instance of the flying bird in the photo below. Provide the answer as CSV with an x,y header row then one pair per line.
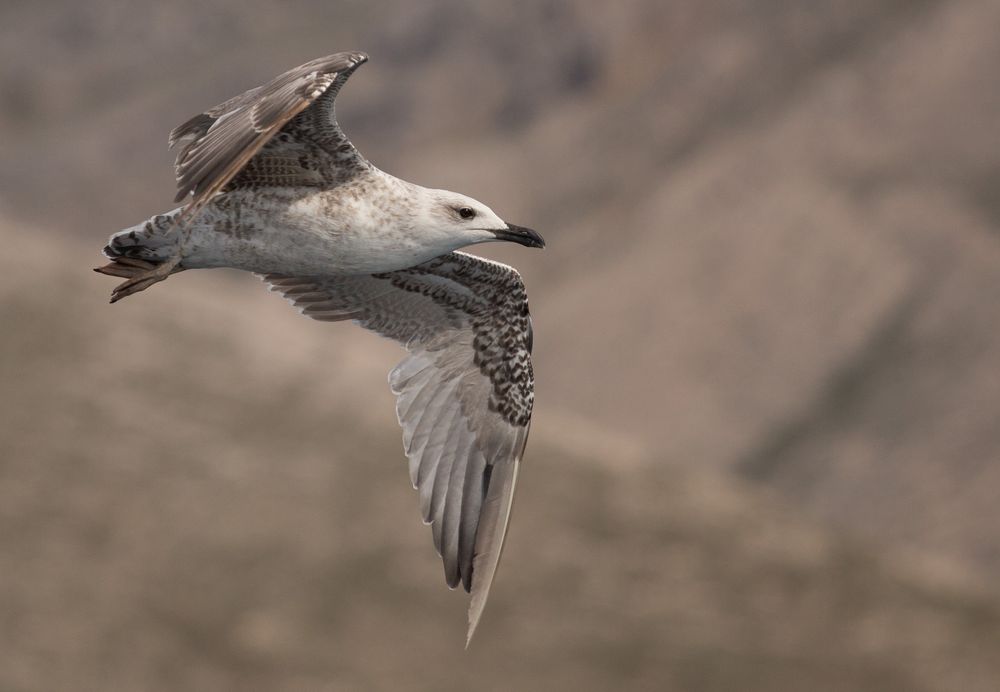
x,y
271,185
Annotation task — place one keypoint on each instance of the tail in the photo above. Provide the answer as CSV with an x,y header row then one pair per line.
x,y
143,254
153,241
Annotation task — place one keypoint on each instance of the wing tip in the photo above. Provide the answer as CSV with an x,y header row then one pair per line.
x,y
475,615
488,571
354,58
473,623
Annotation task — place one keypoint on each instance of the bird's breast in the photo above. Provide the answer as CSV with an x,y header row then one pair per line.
x,y
308,234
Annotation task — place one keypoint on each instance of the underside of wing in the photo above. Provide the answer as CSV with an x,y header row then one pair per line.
x,y
241,136
464,393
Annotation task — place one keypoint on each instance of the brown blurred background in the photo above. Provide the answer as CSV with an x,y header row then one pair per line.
x,y
765,449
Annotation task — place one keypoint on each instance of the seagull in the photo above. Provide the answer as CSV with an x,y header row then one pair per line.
x,y
272,186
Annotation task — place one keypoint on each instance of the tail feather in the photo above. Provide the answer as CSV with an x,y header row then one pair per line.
x,y
128,268
152,241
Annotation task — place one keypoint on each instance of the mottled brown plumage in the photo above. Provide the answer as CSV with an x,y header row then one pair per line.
x,y
234,139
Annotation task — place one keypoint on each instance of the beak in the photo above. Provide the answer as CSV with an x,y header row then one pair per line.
x,y
521,236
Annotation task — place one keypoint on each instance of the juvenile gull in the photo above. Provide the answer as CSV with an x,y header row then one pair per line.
x,y
274,187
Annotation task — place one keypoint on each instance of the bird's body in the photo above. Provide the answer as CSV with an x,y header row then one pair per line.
x,y
274,187
361,226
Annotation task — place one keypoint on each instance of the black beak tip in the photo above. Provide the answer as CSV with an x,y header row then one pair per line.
x,y
522,236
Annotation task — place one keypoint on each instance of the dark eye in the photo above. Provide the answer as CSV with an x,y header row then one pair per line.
x,y
466,212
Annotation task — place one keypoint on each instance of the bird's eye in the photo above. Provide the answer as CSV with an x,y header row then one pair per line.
x,y
466,212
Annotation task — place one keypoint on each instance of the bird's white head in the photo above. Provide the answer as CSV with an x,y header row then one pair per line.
x,y
460,220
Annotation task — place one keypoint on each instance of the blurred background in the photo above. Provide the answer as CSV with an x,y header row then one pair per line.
x,y
764,454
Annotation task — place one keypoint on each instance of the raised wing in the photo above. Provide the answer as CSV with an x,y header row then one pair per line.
x,y
235,142
464,393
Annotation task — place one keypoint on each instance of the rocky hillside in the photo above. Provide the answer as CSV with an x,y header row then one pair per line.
x,y
784,219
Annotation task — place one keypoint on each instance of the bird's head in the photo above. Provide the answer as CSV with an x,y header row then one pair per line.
x,y
469,221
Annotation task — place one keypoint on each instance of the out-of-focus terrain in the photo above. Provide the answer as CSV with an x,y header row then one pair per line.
x,y
765,450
